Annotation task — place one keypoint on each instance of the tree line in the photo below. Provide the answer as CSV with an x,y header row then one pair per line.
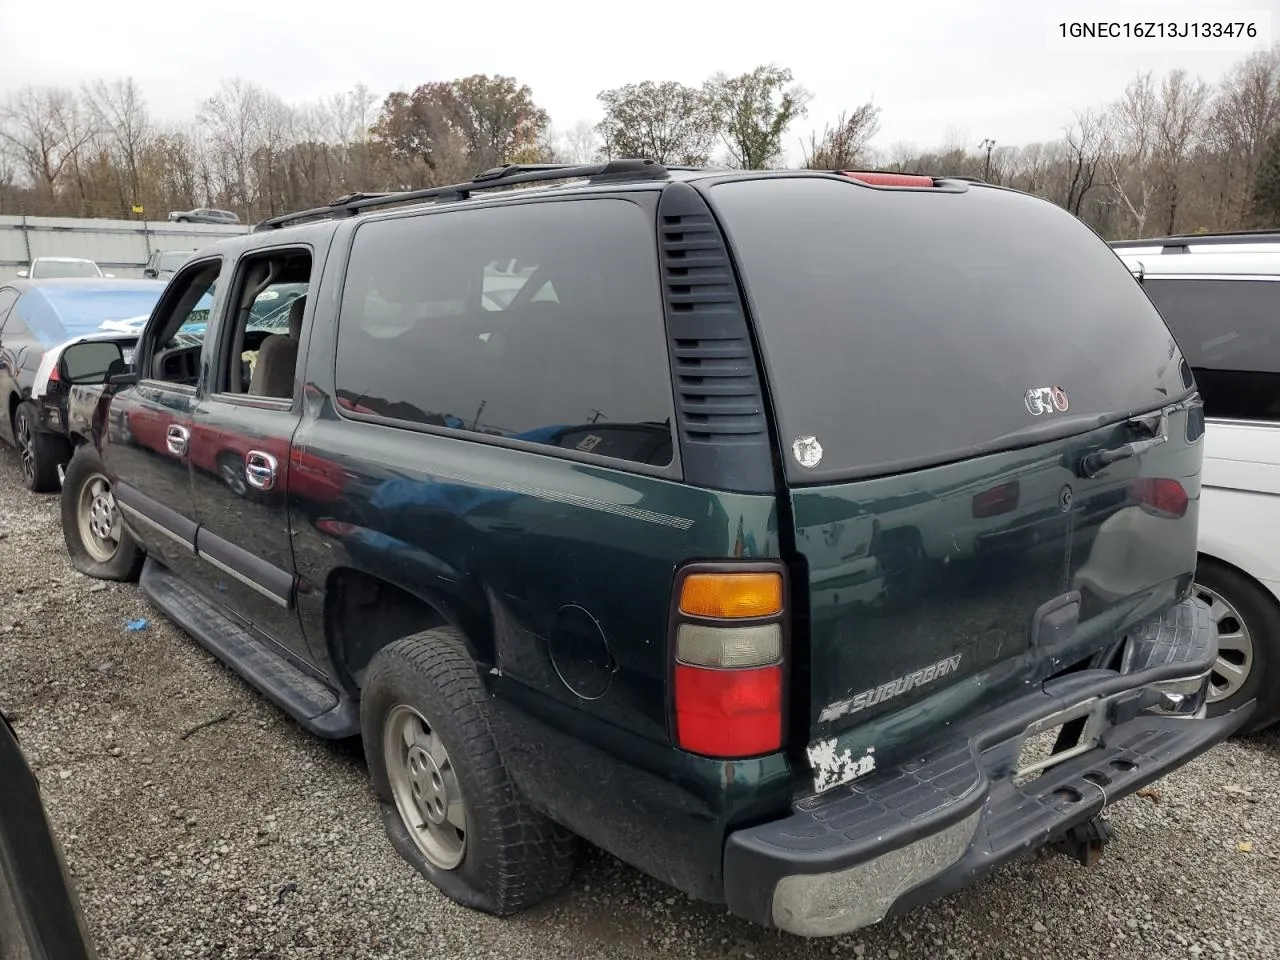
x,y
1171,153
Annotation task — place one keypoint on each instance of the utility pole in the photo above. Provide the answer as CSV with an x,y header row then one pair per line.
x,y
987,144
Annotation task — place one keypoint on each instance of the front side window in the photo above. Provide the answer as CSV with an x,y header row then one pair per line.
x,y
180,327
539,322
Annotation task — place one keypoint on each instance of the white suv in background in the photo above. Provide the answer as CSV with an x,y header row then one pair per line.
x,y
1220,295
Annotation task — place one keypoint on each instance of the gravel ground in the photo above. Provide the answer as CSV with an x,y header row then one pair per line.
x,y
250,838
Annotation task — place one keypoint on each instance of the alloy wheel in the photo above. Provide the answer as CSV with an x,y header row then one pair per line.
x,y
425,787
99,518
26,446
1235,646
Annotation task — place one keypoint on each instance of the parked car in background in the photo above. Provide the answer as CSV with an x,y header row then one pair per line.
x,y
162,264
47,268
39,316
40,916
203,215
1220,295
617,506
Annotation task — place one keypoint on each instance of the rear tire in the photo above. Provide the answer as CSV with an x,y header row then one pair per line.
x,y
1247,619
97,541
427,727
41,452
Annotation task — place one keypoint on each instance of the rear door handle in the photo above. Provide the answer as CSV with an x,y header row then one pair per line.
x,y
260,470
177,438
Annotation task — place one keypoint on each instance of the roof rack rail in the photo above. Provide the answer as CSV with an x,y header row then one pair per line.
x,y
1182,241
495,178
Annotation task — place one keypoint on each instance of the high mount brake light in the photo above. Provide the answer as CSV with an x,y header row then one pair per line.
x,y
728,644
889,179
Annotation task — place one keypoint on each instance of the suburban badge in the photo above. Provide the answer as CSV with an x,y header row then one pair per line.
x,y
887,691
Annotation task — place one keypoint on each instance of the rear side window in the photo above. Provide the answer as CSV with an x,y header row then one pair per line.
x,y
901,329
537,322
1229,331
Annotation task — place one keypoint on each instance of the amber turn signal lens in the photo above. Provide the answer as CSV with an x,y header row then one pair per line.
x,y
731,595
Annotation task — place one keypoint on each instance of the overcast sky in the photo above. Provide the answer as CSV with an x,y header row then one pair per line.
x,y
938,70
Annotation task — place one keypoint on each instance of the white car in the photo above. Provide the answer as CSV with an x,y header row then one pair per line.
x,y
42,268
1220,295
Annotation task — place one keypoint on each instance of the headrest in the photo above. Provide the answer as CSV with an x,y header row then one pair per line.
x,y
295,316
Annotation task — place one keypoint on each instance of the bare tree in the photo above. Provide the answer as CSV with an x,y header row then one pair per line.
x,y
1183,102
842,146
120,114
233,122
1131,130
1084,145
903,156
1243,116
580,143
42,129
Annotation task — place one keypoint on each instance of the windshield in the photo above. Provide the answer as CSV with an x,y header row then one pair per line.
x,y
903,328
172,261
64,268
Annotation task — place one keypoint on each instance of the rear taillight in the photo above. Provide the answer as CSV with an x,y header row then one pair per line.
x,y
997,500
889,179
1160,496
729,650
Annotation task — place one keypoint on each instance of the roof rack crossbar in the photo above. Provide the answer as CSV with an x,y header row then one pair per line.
x,y
512,174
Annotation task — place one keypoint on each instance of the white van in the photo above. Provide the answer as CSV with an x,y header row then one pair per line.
x,y
1220,295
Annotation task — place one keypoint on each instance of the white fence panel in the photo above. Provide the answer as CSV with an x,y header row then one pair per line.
x,y
121,247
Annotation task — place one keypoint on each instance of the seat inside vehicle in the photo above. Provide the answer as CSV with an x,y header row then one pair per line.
x,y
278,357
270,297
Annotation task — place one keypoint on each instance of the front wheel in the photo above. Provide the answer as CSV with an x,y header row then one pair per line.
x,y
1247,622
96,539
41,452
450,806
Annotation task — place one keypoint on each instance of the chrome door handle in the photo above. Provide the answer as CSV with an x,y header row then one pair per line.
x,y
177,437
260,470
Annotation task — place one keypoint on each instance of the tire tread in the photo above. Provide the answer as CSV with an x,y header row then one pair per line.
x,y
534,857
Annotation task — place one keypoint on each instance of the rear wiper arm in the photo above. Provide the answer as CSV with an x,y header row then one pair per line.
x,y
1092,464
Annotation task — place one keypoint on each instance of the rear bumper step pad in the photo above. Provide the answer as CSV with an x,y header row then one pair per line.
x,y
907,835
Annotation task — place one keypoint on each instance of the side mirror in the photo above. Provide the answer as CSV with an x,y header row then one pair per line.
x,y
91,361
151,273
22,273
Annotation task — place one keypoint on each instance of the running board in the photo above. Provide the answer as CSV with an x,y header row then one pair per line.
x,y
311,702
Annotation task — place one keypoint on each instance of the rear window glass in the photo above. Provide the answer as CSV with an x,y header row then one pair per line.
x,y
56,313
538,322
1229,331
902,329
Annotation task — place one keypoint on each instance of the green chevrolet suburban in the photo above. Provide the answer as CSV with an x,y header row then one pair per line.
x,y
813,541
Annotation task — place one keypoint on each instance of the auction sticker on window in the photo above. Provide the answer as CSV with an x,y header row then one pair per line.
x,y
1157,28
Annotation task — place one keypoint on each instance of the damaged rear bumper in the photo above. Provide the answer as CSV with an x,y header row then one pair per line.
x,y
907,835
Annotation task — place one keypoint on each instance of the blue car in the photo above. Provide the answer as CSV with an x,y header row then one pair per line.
x,y
37,318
